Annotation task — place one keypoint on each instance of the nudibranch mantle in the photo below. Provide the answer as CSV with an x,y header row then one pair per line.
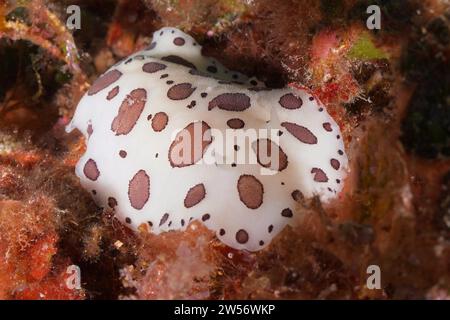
x,y
132,117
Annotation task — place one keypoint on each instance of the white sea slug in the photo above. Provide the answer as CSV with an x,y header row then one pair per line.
x,y
139,117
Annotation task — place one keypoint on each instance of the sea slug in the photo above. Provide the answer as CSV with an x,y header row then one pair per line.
x,y
174,136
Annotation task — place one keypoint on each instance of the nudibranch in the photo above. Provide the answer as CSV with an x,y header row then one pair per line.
x,y
164,131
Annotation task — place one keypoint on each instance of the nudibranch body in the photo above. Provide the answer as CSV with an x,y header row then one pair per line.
x,y
158,127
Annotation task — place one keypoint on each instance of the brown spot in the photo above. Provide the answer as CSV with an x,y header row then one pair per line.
x,y
114,91
152,67
230,102
319,175
122,153
297,195
290,101
212,69
180,91
194,195
287,213
163,219
90,170
178,41
129,112
104,81
235,123
270,228
222,232
335,164
159,121
192,104
300,132
139,190
112,202
250,191
242,236
190,144
206,217
327,126
90,130
179,60
263,149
